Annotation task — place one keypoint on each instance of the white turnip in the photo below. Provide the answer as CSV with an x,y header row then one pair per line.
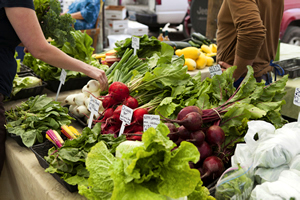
x,y
82,111
93,86
79,99
70,99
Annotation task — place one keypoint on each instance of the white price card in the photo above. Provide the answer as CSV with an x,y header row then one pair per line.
x,y
94,104
215,70
62,79
93,107
297,97
150,121
125,117
63,76
135,44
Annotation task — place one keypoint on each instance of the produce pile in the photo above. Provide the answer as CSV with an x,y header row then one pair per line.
x,y
35,116
201,122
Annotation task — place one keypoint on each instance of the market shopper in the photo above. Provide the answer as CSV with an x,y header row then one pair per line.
x,y
85,12
19,23
248,34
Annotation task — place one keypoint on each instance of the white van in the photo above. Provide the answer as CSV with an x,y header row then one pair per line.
x,y
157,13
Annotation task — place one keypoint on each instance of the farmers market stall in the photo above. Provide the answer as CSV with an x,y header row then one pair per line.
x,y
24,178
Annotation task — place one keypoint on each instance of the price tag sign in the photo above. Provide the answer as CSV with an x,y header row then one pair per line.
x,y
150,121
135,44
62,79
125,117
94,104
215,70
93,107
63,76
297,97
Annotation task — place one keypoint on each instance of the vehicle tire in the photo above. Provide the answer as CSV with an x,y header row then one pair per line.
x,y
292,35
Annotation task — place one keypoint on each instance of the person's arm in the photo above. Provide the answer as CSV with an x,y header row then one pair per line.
x,y
251,34
77,15
26,25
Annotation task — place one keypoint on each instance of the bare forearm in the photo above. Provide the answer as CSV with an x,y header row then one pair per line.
x,y
62,60
77,15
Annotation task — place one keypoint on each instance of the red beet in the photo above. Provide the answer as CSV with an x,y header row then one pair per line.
x,y
192,121
215,136
183,112
205,150
212,167
197,138
108,113
171,127
119,91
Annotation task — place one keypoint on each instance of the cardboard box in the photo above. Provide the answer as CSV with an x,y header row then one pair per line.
x,y
110,31
116,24
115,12
136,28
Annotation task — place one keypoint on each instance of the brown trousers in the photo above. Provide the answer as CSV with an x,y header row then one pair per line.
x,y
2,133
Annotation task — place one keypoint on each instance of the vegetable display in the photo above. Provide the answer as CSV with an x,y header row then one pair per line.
x,y
144,170
35,116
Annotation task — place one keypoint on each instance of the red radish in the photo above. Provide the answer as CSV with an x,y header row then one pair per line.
x,y
108,101
183,112
198,138
138,115
108,113
133,128
215,136
205,150
135,136
171,127
192,121
212,167
131,102
117,113
119,91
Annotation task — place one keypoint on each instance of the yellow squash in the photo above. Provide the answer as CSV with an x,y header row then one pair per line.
x,y
188,52
190,63
201,61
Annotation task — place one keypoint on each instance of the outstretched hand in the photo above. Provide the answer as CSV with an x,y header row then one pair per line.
x,y
100,76
224,65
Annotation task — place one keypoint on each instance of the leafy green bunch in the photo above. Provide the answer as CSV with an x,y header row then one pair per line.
x,y
32,117
69,160
148,170
55,26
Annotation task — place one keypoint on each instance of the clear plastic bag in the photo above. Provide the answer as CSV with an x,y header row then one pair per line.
x,y
235,184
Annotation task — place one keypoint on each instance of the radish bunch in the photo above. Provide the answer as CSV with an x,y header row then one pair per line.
x,y
118,95
208,140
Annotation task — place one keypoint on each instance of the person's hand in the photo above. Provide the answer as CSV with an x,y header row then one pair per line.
x,y
224,65
100,76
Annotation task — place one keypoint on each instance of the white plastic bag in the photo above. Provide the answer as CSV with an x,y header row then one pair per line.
x,y
274,147
286,187
295,163
269,174
242,155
